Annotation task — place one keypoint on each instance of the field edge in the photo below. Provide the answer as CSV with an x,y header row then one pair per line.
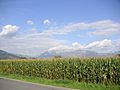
x,y
62,83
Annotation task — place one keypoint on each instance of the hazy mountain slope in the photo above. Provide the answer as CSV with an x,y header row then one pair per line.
x,y
6,55
80,53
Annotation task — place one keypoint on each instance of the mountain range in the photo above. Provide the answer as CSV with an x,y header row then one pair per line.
x,y
74,53
49,54
6,55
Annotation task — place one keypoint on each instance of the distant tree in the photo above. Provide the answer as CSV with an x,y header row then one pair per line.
x,y
58,56
118,55
23,57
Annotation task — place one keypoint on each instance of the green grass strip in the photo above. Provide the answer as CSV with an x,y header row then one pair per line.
x,y
63,83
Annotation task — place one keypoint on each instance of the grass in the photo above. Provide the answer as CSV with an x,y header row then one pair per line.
x,y
62,83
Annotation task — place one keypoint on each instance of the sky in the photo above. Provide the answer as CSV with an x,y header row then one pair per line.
x,y
31,27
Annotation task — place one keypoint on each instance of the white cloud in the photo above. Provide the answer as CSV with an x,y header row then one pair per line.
x,y
78,45
66,48
60,48
29,44
103,27
98,46
30,22
9,30
37,42
46,22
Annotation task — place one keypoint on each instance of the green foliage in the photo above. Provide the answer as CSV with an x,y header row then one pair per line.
x,y
89,70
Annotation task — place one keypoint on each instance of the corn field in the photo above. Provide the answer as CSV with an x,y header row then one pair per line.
x,y
90,70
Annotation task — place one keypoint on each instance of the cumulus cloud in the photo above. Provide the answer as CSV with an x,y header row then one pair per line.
x,y
78,45
66,48
46,22
9,31
37,42
101,46
30,22
60,48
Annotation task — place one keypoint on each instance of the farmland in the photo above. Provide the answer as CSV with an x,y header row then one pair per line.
x,y
89,70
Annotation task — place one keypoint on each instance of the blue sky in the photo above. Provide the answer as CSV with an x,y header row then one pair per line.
x,y
82,22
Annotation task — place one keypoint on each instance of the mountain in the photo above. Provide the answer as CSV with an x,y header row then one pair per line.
x,y
117,52
6,55
74,53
